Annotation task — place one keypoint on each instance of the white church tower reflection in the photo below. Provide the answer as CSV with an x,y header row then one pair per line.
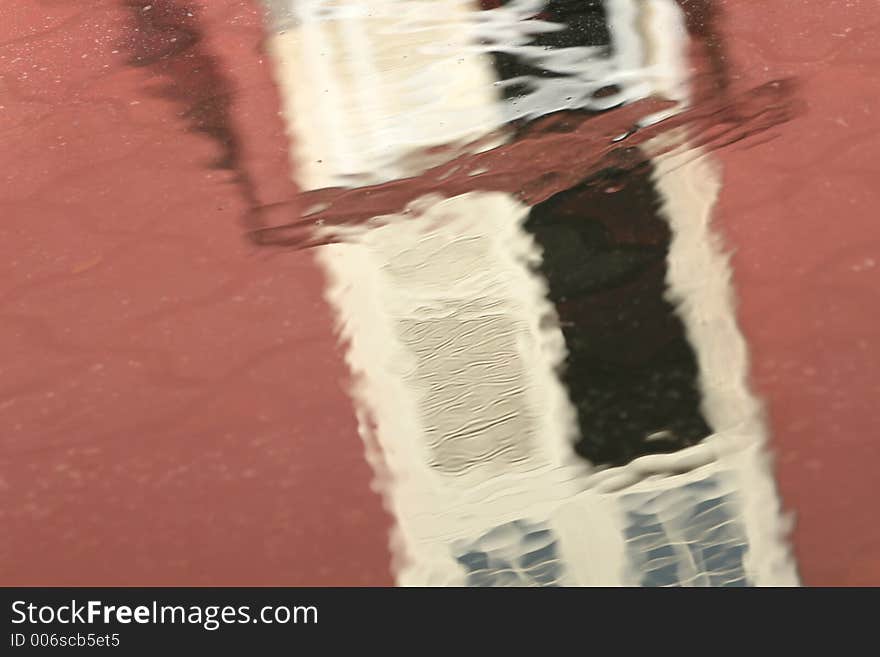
x,y
549,395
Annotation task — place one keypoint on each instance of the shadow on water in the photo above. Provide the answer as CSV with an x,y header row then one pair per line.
x,y
167,37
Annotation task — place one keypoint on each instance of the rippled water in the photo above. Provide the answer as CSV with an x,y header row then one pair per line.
x,y
506,226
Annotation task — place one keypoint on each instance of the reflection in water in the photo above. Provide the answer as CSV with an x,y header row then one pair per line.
x,y
511,201
514,199
513,205
522,81
166,37
631,371
563,149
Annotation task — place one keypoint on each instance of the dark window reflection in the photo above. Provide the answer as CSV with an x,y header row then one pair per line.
x,y
631,372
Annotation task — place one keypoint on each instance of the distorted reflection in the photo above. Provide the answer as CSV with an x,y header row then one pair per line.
x,y
514,201
509,209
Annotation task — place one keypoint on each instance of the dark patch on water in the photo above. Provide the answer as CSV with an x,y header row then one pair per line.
x,y
167,38
630,370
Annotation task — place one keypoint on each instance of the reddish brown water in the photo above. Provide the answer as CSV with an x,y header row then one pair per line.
x,y
172,398
800,214
172,407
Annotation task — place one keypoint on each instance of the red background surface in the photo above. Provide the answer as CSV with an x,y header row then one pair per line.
x,y
172,402
801,215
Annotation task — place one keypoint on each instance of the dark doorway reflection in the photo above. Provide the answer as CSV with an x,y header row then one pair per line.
x,y
631,372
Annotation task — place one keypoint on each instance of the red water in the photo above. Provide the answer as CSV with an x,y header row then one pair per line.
x,y
800,214
172,405
554,154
